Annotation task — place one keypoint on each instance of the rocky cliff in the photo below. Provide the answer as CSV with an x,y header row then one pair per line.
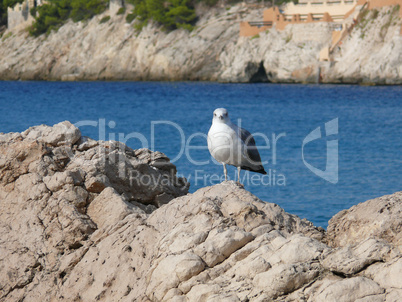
x,y
213,51
78,224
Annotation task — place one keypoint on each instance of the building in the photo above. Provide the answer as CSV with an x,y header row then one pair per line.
x,y
336,9
20,13
305,12
340,12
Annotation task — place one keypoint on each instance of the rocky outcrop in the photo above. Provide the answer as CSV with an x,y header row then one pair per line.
x,y
72,228
51,180
375,218
116,51
213,51
285,56
371,53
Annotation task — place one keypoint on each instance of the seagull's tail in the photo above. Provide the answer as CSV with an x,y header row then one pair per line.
x,y
258,169
262,171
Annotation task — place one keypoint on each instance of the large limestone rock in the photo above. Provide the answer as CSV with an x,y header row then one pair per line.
x,y
370,53
379,218
279,56
114,50
55,191
74,229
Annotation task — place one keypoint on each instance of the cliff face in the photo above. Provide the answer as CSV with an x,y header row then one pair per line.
x,y
213,52
115,51
74,228
372,53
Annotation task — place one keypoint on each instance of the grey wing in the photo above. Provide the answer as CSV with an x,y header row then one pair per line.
x,y
249,141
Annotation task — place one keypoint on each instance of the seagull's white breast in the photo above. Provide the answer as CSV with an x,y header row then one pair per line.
x,y
225,145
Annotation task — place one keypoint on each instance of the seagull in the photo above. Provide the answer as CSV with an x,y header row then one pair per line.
x,y
233,145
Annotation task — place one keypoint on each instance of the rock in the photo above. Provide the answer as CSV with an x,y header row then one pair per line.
x,y
285,278
85,143
170,271
283,56
112,164
18,158
393,295
97,184
220,244
73,228
378,37
298,248
350,260
46,211
60,179
352,289
63,133
386,274
108,208
203,292
378,218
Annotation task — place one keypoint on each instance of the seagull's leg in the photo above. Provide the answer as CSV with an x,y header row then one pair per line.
x,y
225,171
238,174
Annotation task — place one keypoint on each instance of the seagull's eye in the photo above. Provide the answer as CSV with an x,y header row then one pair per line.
x,y
214,114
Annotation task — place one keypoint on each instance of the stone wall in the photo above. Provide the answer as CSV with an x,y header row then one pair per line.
x,y
19,15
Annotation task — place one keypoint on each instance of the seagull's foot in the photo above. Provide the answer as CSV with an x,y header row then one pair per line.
x,y
240,184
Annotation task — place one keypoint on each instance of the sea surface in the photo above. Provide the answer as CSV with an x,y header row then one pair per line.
x,y
363,136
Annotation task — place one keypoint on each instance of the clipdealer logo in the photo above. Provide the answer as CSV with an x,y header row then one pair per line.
x,y
200,176
330,173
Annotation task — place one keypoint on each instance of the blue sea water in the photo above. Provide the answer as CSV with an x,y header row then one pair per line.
x,y
174,118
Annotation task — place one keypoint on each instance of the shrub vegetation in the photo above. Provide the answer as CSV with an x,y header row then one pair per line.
x,y
121,11
170,14
55,13
104,19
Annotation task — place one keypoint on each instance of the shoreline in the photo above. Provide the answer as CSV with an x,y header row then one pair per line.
x,y
362,84
212,52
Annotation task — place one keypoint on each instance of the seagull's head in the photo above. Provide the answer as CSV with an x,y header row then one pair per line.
x,y
221,116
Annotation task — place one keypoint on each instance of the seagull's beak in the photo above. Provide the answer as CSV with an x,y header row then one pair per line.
x,y
221,117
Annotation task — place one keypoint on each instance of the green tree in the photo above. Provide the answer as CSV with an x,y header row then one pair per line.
x,y
49,16
55,13
140,11
86,9
11,3
3,14
180,15
63,9
171,15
